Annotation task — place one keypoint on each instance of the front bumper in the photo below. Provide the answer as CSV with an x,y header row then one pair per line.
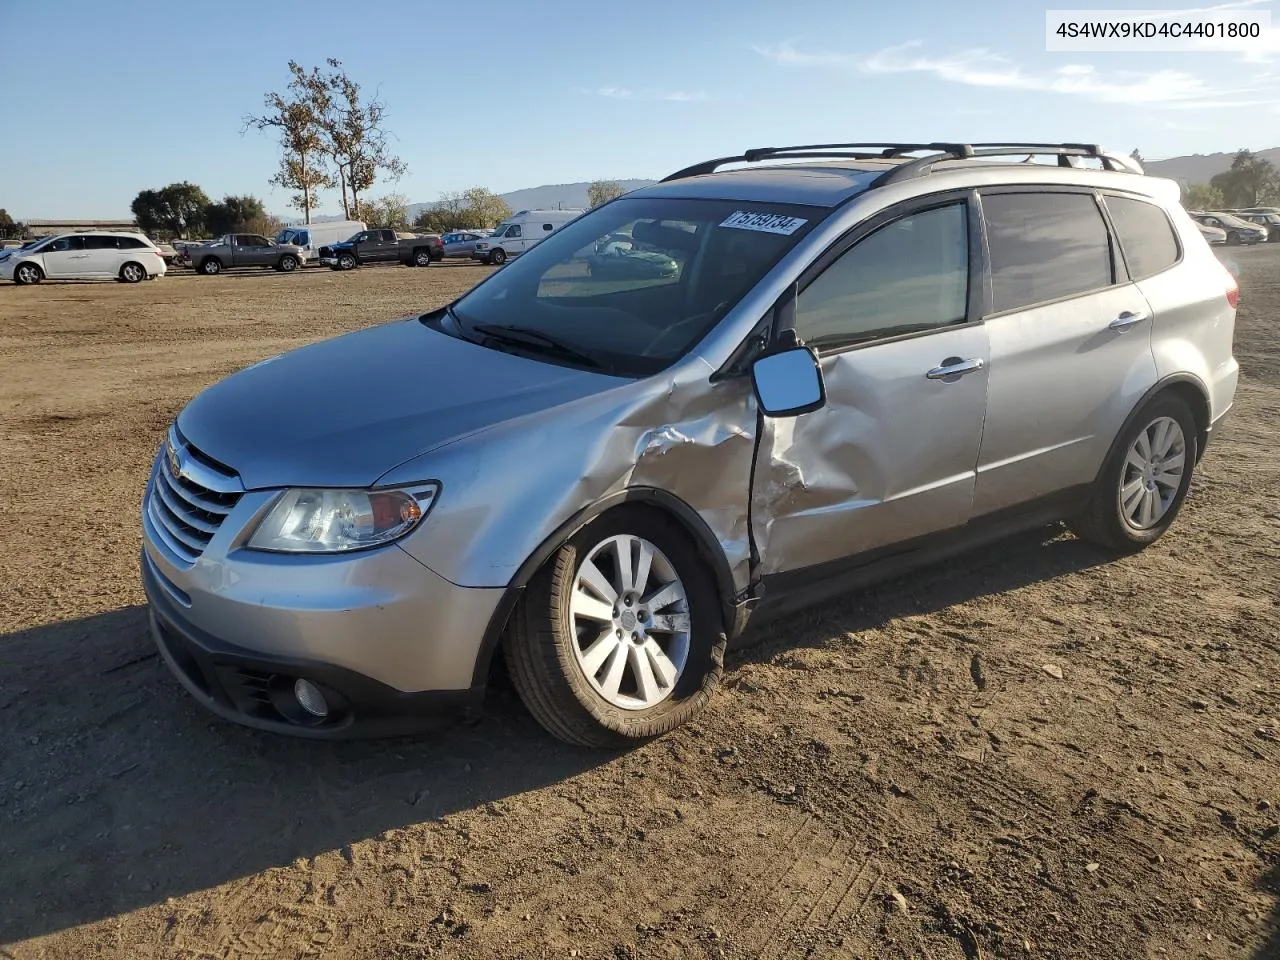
x,y
394,642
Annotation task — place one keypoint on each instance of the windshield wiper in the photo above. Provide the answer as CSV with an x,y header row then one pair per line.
x,y
524,337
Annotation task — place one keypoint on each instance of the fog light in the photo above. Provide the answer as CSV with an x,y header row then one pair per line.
x,y
310,698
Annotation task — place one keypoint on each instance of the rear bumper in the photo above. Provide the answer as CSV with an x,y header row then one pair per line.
x,y
256,688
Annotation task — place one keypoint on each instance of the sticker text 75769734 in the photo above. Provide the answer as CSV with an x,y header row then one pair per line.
x,y
764,222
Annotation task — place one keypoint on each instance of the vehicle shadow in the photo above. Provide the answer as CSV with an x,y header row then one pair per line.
x,y
1270,883
118,791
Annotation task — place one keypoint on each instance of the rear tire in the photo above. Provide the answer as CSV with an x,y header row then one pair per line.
x,y
1145,479
580,673
422,257
211,266
498,256
133,273
26,273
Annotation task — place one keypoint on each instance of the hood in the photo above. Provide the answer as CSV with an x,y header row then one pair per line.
x,y
343,412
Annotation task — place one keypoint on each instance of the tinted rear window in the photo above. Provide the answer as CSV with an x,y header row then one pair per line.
x,y
1146,236
1044,246
130,243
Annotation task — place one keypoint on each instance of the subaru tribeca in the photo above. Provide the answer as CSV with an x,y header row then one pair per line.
x,y
865,360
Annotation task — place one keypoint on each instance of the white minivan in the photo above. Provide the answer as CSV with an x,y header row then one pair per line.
x,y
312,236
90,255
516,234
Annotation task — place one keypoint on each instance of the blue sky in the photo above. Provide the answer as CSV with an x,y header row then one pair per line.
x,y
510,93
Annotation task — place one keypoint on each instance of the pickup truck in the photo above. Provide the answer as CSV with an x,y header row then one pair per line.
x,y
245,250
383,246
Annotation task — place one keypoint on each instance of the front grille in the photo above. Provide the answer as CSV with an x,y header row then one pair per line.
x,y
185,511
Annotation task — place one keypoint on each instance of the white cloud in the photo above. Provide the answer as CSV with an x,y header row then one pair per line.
x,y
672,96
980,67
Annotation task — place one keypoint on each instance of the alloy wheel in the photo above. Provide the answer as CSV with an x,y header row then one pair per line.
x,y
1152,474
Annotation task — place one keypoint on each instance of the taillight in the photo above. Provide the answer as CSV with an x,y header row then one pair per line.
x,y
1233,288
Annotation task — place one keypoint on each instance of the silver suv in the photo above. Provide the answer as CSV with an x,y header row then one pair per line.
x,y
863,361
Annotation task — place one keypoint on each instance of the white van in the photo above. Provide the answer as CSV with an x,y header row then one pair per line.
x,y
516,234
312,236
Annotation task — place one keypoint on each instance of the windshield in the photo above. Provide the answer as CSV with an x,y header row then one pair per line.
x,y
1231,221
635,284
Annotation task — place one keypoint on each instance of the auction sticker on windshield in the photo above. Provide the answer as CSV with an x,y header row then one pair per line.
x,y
764,222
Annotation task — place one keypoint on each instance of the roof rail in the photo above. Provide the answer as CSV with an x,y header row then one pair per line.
x,y
842,151
1067,153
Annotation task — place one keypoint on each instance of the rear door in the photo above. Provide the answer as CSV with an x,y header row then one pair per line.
x,y
66,257
893,312
103,258
1070,345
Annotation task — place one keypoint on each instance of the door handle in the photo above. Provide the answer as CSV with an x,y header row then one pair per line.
x,y
1126,320
954,367
79,256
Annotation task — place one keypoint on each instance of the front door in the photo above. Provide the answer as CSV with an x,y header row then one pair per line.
x,y
253,251
892,312
66,257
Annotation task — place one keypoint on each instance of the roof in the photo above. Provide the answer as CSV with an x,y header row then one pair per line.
x,y
833,173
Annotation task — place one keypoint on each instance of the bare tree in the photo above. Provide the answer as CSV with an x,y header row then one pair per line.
x,y
602,191
353,135
295,115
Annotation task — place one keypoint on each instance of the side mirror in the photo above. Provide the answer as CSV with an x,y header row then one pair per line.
x,y
788,382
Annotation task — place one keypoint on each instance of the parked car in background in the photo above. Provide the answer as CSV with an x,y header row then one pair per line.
x,y
245,250
90,255
381,245
312,236
168,251
1255,210
1214,235
603,483
462,243
520,232
1237,230
1269,222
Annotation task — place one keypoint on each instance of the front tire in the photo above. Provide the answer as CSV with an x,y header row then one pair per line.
x,y
498,257
1144,480
618,638
346,262
133,273
288,263
27,273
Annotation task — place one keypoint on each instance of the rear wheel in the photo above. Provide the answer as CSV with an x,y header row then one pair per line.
x,y
27,273
288,263
498,256
133,273
422,257
1144,481
618,638
210,266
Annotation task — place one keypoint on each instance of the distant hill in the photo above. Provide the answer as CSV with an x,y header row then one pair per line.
x,y
555,196
1201,167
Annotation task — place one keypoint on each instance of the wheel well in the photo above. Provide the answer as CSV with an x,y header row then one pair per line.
x,y
1195,399
660,504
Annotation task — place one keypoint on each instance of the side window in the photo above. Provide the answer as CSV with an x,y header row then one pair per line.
x,y
255,241
100,243
240,241
514,231
388,235
129,243
66,243
1146,236
1044,246
907,276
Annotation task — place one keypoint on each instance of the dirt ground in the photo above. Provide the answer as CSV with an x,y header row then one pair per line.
x,y
902,773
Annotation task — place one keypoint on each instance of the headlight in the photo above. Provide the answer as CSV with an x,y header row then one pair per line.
x,y
335,521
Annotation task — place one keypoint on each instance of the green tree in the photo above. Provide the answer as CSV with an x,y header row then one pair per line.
x,y
602,191
391,211
295,116
448,213
484,208
1250,181
177,210
1201,196
234,214
8,228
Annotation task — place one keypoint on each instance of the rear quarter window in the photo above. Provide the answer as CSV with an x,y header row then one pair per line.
x,y
1044,246
1146,236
